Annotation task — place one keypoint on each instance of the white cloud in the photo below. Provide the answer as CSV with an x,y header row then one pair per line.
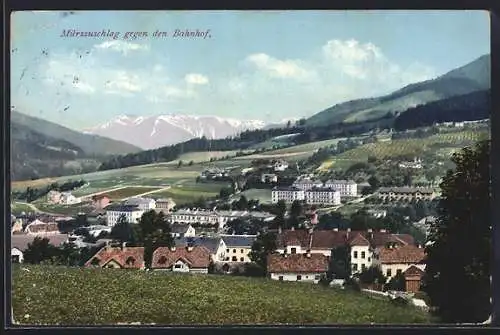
x,y
196,79
279,68
121,46
124,81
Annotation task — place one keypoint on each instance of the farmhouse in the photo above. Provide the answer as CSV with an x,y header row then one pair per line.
x,y
269,178
164,205
39,228
215,245
69,199
54,197
280,165
322,196
416,164
144,204
347,188
131,213
20,242
306,267
361,243
190,259
395,258
118,258
406,193
238,247
100,201
182,230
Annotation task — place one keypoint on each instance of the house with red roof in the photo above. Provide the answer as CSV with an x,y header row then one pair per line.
x,y
193,259
306,267
396,258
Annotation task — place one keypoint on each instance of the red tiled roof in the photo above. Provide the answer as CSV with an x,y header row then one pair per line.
x,y
21,240
120,256
297,263
199,257
403,254
328,239
359,240
413,271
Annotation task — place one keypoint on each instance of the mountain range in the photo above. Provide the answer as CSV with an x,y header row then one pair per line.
x,y
150,132
41,148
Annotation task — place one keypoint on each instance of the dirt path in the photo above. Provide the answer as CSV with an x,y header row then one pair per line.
x,y
36,210
146,193
89,196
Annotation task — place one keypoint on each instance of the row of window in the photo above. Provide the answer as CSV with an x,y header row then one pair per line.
x,y
235,259
299,277
363,255
389,272
355,267
234,251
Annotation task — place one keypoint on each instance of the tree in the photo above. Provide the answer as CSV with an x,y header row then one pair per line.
x,y
374,183
340,264
154,232
68,255
122,230
40,250
397,283
264,245
179,164
457,275
372,275
190,163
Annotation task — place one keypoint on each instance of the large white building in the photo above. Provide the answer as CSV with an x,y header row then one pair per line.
x,y
213,217
319,196
132,213
306,183
144,204
347,188
323,196
288,194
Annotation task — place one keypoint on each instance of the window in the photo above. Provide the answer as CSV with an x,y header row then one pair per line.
x,y
234,259
363,255
280,278
355,267
178,266
15,258
399,271
299,277
363,267
130,260
227,250
234,251
227,259
369,259
317,277
389,272
355,254
293,250
242,259
241,250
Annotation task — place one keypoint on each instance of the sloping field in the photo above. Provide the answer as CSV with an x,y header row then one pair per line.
x,y
67,296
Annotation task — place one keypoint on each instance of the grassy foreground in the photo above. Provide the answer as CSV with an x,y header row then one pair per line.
x,y
49,295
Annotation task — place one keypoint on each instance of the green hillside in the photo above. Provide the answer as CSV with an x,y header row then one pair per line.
x,y
472,77
73,296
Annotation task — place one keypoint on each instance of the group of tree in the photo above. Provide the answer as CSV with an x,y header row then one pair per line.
x,y
264,245
33,193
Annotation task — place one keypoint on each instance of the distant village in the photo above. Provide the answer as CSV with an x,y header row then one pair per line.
x,y
204,240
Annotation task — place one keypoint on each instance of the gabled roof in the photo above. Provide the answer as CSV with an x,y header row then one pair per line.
x,y
403,254
359,240
211,243
413,271
120,256
244,241
297,263
198,257
21,241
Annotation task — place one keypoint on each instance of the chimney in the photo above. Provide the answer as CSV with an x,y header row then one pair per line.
x,y
172,248
420,246
190,248
348,230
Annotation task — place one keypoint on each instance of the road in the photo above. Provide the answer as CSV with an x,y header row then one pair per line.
x,y
146,193
334,208
36,210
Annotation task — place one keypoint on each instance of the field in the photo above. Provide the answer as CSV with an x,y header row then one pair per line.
x,y
18,208
186,193
73,296
443,143
128,192
263,195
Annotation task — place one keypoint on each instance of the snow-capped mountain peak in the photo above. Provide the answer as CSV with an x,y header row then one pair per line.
x,y
150,132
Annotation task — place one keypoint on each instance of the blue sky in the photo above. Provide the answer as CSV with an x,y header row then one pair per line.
x,y
255,65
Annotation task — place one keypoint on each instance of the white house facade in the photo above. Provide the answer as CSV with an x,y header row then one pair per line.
x,y
287,194
131,213
322,196
347,188
145,204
